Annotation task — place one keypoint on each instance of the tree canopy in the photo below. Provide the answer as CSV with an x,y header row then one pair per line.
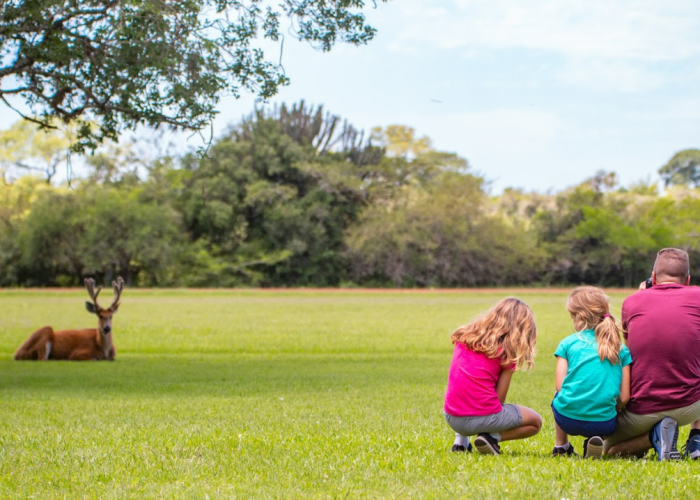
x,y
682,169
296,196
113,64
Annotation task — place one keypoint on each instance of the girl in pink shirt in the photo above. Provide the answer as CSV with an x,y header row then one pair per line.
x,y
486,354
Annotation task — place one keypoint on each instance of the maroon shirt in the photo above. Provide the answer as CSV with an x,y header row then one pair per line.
x,y
663,335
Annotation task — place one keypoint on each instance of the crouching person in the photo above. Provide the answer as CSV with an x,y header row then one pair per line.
x,y
487,352
592,377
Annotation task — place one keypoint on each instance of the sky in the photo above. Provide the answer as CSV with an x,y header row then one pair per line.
x,y
538,95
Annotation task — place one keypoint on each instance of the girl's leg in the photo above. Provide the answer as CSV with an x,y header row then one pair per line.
x,y
531,425
562,438
460,440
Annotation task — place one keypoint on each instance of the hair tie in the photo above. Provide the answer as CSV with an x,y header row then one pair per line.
x,y
607,316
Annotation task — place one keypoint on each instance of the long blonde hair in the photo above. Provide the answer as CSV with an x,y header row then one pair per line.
x,y
507,331
590,310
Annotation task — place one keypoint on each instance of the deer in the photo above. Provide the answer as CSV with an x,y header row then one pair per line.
x,y
77,345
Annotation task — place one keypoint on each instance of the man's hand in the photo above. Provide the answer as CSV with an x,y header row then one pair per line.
x,y
643,285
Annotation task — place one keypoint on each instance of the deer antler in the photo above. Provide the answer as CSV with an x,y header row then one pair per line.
x,y
90,285
118,287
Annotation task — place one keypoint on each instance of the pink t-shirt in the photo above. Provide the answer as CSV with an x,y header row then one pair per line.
x,y
471,384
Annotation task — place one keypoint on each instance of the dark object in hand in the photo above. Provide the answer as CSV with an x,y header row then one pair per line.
x,y
649,283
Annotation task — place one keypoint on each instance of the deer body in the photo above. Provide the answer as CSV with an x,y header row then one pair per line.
x,y
72,345
76,345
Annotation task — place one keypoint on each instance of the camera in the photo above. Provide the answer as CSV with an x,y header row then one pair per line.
x,y
649,283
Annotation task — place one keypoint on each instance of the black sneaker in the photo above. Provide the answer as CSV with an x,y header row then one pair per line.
x,y
487,445
691,449
558,451
458,448
593,447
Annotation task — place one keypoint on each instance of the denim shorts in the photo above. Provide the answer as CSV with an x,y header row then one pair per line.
x,y
583,428
508,418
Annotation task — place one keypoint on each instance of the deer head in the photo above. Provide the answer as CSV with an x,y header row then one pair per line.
x,y
104,315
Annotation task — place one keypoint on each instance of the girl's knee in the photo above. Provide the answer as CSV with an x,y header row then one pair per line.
x,y
531,418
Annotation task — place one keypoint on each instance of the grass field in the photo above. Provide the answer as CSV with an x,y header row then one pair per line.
x,y
248,394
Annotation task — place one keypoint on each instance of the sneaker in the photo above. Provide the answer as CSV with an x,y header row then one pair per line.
x,y
458,448
558,451
593,447
664,439
487,445
691,448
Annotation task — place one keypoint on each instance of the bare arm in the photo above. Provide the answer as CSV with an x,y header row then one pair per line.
x,y
503,385
562,370
624,397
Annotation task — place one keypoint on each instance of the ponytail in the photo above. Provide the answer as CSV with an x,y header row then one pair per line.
x,y
607,334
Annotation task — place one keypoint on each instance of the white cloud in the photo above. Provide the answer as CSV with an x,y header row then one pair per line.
x,y
500,142
604,44
595,28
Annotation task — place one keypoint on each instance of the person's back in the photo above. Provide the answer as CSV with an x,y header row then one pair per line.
x,y
662,327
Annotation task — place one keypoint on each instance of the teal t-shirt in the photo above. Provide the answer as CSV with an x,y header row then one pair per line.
x,y
591,386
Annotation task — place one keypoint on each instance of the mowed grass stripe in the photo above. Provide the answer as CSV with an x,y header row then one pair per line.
x,y
279,395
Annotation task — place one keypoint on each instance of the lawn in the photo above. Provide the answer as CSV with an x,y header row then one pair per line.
x,y
249,394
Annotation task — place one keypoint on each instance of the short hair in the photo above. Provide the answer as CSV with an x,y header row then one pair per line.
x,y
672,263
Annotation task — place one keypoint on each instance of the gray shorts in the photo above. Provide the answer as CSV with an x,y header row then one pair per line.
x,y
508,418
630,425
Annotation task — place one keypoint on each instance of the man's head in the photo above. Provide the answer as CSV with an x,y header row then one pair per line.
x,y
672,266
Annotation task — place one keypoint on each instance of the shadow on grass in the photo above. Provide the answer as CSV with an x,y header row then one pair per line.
x,y
220,375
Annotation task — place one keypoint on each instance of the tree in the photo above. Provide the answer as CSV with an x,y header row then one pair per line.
x,y
120,63
16,200
401,141
99,230
682,168
441,234
24,148
274,197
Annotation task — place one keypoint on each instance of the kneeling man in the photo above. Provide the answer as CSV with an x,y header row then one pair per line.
x,y
662,328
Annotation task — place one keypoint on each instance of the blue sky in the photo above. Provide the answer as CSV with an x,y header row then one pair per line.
x,y
538,95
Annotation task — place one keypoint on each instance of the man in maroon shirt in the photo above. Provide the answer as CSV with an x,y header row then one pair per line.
x,y
662,328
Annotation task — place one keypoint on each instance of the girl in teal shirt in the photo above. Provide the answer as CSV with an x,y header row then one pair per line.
x,y
592,376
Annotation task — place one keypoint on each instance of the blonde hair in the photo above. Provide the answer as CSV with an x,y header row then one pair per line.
x,y
590,310
507,331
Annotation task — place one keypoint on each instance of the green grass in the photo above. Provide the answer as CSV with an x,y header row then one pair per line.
x,y
244,394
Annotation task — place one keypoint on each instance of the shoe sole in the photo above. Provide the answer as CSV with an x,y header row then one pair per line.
x,y
594,448
669,438
484,447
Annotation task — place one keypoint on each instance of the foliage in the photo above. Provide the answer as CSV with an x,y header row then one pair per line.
x,y
683,168
99,231
123,63
296,196
26,149
438,236
275,195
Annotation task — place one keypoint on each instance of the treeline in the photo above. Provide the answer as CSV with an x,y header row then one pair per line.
x,y
297,197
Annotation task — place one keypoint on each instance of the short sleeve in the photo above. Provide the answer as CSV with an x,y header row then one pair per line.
x,y
562,350
625,356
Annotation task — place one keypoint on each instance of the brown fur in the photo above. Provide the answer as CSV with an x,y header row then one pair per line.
x,y
77,345
72,345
